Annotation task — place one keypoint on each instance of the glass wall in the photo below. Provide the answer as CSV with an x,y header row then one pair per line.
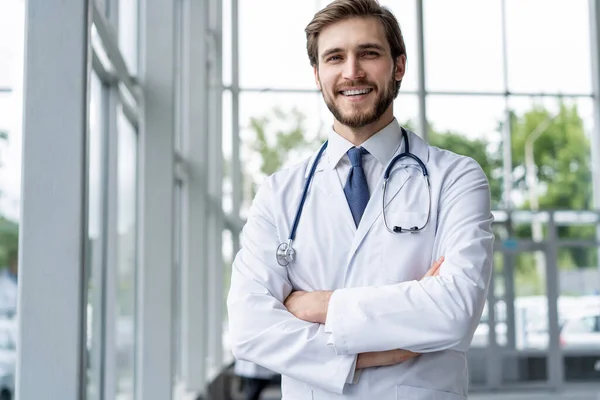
x,y
502,84
11,95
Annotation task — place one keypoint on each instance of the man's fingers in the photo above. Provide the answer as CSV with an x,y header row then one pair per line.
x,y
435,268
407,355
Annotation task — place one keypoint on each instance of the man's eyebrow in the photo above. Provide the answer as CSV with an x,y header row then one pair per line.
x,y
331,51
364,46
371,46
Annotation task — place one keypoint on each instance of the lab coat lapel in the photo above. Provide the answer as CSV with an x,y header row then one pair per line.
x,y
327,181
400,174
374,207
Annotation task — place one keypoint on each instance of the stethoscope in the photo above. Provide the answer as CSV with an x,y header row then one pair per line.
x,y
285,251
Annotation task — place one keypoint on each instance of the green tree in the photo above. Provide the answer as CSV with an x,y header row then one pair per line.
x,y
562,156
561,152
9,230
9,240
276,135
479,150
488,157
274,144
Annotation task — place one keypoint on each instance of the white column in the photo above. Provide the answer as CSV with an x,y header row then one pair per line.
x,y
194,114
156,153
215,190
595,137
52,289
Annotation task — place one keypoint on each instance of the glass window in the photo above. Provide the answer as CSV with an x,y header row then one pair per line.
x,y
11,74
458,59
550,52
406,110
406,14
227,37
273,45
551,153
128,33
469,125
127,257
265,119
12,33
96,190
227,138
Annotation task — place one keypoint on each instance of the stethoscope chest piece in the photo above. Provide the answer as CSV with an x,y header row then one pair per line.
x,y
285,253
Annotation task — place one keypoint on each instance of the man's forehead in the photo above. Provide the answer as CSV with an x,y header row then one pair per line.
x,y
351,34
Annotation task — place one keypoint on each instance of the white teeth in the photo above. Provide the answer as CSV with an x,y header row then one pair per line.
x,y
355,92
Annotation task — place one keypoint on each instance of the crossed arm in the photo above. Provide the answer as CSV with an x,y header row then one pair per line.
x,y
313,307
269,324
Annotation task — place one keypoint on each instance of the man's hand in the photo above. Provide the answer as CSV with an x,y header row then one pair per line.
x,y
312,307
435,268
383,358
309,306
393,357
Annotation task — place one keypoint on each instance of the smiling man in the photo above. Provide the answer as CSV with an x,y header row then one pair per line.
x,y
363,271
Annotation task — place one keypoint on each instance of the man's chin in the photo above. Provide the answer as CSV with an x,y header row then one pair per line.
x,y
357,122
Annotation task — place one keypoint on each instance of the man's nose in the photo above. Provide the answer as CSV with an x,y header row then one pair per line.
x,y
353,69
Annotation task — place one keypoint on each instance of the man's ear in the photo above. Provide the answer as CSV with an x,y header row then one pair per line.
x,y
316,72
400,67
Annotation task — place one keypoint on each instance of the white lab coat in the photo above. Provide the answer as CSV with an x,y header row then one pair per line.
x,y
379,302
249,369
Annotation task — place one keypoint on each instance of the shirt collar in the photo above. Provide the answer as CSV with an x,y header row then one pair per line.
x,y
382,145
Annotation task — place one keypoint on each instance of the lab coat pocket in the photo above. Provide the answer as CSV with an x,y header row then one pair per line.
x,y
404,392
405,256
295,390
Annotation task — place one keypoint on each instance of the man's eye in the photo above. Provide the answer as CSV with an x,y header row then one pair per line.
x,y
371,53
334,58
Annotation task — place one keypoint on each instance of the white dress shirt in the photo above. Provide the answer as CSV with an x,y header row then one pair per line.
x,y
381,147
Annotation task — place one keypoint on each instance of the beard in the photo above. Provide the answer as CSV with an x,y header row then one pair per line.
x,y
358,118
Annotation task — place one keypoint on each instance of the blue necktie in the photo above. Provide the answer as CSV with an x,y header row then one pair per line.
x,y
357,189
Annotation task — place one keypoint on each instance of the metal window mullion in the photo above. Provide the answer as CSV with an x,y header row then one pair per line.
x,y
104,74
153,372
493,371
594,7
111,291
422,91
194,113
110,39
112,250
97,279
236,164
130,111
555,357
53,229
215,185
506,128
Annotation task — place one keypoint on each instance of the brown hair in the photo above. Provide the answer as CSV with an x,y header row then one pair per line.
x,y
342,9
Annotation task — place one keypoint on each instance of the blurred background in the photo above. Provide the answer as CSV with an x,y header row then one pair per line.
x,y
134,134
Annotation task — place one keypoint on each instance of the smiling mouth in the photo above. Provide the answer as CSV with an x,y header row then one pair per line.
x,y
355,92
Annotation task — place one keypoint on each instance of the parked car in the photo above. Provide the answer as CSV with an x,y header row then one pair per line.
x,y
581,331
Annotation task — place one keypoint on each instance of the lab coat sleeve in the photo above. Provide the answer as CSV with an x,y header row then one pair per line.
x,y
436,313
262,330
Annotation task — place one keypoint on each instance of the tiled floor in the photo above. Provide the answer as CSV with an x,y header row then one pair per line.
x,y
591,392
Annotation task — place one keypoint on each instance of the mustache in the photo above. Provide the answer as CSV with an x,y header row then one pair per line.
x,y
350,84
